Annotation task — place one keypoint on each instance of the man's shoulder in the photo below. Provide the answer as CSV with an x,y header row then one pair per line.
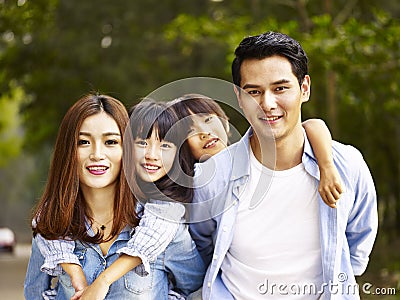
x,y
346,152
348,159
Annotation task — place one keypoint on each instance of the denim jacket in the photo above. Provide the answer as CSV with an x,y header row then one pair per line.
x,y
180,260
347,232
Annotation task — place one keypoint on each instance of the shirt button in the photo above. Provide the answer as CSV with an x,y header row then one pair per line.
x,y
234,203
224,228
209,284
104,263
215,256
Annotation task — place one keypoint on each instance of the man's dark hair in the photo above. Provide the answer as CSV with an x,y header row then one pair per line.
x,y
269,44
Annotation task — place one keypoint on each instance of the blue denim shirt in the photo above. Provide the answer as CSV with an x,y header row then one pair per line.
x,y
347,232
180,260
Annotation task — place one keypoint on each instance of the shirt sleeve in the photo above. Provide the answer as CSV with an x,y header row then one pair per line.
x,y
202,225
156,229
56,252
36,283
362,224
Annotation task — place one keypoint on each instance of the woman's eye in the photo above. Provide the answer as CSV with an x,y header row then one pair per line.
x,y
112,142
83,142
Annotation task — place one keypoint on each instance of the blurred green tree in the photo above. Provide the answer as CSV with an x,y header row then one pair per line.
x,y
11,133
53,51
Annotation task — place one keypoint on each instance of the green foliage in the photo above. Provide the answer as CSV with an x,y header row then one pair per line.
x,y
11,135
54,51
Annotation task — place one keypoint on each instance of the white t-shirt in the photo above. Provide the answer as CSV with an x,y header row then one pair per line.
x,y
275,251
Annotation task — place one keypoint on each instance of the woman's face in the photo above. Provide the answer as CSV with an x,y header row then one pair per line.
x,y
99,152
207,136
153,158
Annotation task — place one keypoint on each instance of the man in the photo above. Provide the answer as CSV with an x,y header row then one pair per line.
x,y
258,220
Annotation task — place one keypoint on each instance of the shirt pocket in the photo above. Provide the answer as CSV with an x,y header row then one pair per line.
x,y
81,255
139,284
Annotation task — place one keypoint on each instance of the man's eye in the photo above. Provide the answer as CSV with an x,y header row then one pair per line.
x,y
281,88
191,130
253,92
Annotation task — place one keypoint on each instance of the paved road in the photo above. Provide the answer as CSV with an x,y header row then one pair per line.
x,y
12,272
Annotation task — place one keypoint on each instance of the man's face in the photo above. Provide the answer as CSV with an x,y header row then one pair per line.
x,y
274,108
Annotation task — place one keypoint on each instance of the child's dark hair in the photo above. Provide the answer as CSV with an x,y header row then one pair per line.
x,y
145,117
190,104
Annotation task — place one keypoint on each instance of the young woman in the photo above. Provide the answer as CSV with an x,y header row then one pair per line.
x,y
209,133
88,194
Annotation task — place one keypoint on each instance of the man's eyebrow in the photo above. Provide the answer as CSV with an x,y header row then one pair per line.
x,y
254,86
104,134
281,81
250,86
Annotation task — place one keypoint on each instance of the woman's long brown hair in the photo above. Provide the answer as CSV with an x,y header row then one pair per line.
x,y
62,211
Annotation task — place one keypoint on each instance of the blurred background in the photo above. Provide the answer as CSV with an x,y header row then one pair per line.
x,y
54,51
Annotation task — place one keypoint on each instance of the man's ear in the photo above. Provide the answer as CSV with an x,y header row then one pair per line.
x,y
306,89
237,91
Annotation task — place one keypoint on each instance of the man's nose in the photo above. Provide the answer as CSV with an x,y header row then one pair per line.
x,y
268,101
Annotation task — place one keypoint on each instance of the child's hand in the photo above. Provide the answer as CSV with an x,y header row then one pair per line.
x,y
78,279
96,291
77,294
79,284
330,185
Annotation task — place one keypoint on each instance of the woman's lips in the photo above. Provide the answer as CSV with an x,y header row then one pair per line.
x,y
97,170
